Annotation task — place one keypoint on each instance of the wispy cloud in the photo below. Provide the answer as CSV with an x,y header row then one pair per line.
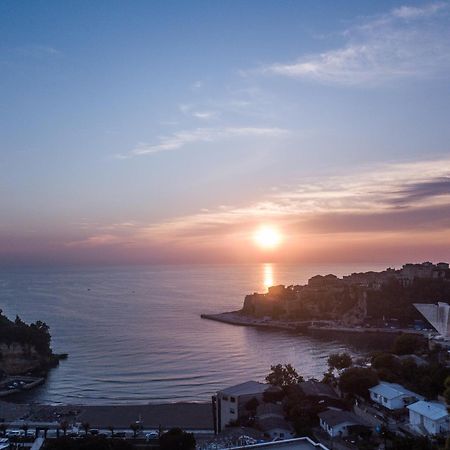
x,y
37,51
413,197
181,139
407,42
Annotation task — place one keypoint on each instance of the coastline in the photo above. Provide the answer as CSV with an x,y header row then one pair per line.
x,y
305,327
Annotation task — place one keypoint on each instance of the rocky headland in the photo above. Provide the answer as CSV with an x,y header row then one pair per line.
x,y
25,348
359,302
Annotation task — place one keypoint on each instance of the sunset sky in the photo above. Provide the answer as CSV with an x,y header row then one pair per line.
x,y
172,131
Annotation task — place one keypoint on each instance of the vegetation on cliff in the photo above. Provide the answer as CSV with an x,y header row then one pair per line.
x,y
35,334
25,347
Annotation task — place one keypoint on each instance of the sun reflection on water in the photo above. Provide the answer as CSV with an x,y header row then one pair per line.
x,y
268,276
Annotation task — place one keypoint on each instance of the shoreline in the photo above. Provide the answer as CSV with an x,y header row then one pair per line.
x,y
305,327
186,415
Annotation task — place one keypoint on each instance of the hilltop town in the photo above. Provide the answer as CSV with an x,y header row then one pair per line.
x,y
360,298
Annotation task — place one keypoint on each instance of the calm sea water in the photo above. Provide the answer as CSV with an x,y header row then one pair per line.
x,y
134,334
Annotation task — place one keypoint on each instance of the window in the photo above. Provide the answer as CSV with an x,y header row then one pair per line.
x,y
225,398
232,400
231,410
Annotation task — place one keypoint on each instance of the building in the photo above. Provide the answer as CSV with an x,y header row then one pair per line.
x,y
303,443
229,404
339,423
393,396
317,390
437,315
275,428
429,418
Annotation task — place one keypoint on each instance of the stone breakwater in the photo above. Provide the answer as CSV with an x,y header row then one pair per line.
x,y
306,327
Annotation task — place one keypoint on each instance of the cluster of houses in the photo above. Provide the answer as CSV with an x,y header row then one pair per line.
x,y
390,403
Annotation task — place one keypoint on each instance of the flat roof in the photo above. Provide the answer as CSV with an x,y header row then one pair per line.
x,y
431,410
303,443
249,387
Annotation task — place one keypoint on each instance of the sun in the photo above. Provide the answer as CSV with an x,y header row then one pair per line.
x,y
267,237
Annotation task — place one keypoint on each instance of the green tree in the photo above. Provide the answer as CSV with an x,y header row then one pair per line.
x,y
177,439
63,426
283,376
339,361
447,392
134,428
25,426
86,426
357,381
406,344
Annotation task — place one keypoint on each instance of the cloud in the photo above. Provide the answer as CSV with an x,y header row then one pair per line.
x,y
181,139
204,115
38,51
391,200
408,42
414,12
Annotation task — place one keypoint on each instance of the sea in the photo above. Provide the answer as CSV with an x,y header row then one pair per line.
x,y
134,334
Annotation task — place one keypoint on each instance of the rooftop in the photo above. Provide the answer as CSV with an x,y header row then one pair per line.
x,y
313,388
247,388
272,423
303,443
392,390
431,410
334,417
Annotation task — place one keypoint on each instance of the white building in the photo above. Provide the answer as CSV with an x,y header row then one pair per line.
x,y
338,423
393,396
229,404
429,418
303,443
438,316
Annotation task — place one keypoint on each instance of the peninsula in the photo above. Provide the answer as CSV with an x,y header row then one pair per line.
x,y
359,302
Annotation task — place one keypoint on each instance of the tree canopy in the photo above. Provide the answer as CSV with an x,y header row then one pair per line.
x,y
339,361
177,439
357,381
283,376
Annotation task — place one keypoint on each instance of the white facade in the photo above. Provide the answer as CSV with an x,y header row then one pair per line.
x,y
340,429
393,396
230,403
336,422
429,418
438,316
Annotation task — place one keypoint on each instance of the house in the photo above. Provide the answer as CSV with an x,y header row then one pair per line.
x,y
429,418
265,410
339,423
318,390
275,428
229,404
393,396
302,443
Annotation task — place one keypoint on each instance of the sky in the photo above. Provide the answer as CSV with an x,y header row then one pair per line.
x,y
169,131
